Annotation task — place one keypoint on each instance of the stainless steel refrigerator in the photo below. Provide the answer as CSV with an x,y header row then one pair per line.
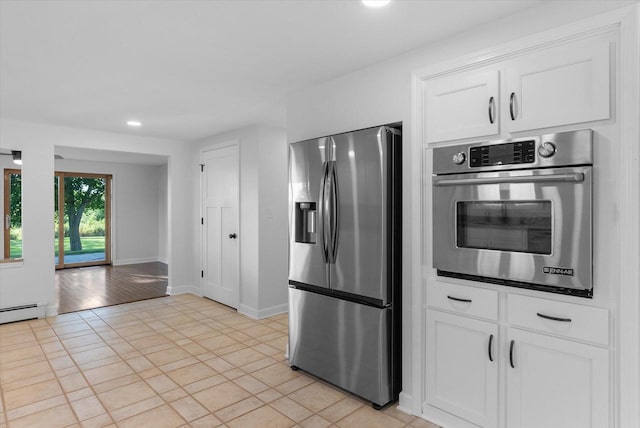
x,y
345,261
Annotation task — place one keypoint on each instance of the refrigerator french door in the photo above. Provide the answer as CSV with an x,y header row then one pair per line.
x,y
344,260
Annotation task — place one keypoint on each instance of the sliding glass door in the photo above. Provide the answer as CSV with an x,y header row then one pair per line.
x,y
82,220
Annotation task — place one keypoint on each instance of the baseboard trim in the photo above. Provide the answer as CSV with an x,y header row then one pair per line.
x,y
184,289
405,403
51,310
263,313
136,261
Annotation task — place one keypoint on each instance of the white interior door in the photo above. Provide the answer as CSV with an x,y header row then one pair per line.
x,y
220,244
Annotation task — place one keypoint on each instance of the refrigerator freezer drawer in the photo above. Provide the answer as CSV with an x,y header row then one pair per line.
x,y
345,343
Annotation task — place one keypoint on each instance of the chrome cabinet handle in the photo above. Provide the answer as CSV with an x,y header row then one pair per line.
x,y
457,299
492,110
490,346
513,342
549,317
512,106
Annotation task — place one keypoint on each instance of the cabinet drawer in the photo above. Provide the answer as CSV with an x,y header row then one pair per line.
x,y
462,299
566,319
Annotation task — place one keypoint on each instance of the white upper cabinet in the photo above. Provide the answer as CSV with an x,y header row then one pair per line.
x,y
461,105
563,85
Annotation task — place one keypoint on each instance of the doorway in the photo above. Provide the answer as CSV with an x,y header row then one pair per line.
x,y
82,219
220,246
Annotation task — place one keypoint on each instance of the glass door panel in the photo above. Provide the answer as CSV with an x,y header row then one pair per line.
x,y
58,233
83,207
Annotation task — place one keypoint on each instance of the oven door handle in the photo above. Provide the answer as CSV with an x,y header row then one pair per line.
x,y
574,177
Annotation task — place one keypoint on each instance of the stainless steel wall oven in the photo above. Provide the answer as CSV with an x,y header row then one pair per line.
x,y
516,212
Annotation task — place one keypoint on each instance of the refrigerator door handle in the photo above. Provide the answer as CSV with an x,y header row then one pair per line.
x,y
322,212
334,212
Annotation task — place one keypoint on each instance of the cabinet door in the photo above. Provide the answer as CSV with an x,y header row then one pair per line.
x,y
556,383
462,105
460,376
558,86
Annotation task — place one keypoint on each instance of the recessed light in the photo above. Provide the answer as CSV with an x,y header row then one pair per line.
x,y
375,3
134,123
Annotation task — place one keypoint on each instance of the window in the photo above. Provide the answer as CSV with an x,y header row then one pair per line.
x,y
12,213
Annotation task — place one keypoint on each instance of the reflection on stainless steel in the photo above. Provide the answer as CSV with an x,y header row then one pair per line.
x,y
527,223
360,266
345,287
345,343
305,173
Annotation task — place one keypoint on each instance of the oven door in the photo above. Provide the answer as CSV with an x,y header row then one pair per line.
x,y
529,228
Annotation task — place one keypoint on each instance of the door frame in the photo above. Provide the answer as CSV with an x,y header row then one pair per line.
x,y
60,175
203,150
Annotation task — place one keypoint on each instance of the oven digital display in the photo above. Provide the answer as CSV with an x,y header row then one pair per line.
x,y
502,154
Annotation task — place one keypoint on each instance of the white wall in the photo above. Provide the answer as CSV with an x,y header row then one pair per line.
x,y
33,279
382,94
273,221
263,216
136,207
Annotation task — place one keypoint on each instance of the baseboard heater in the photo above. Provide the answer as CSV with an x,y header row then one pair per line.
x,y
20,313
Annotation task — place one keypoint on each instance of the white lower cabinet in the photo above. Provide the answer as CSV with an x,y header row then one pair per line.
x,y
554,382
541,364
462,373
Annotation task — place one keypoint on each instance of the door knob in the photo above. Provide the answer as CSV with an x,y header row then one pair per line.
x,y
232,236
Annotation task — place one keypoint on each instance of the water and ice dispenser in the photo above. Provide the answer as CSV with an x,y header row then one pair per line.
x,y
305,218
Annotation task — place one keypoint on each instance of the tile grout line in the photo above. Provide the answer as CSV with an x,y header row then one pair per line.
x,y
80,371
191,313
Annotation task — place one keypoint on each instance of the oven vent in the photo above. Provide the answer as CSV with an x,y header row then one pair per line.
x,y
20,313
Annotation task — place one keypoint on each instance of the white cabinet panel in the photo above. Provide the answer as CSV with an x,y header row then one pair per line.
x,y
558,86
460,376
556,383
474,301
461,105
573,321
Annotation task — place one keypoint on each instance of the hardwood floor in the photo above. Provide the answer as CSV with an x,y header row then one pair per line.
x,y
79,289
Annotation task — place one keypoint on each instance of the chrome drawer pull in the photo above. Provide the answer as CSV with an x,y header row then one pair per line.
x,y
549,317
490,343
513,342
457,299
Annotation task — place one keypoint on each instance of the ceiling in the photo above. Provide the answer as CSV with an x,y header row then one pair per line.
x,y
190,69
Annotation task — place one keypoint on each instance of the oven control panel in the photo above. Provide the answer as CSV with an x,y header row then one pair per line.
x,y
503,154
540,151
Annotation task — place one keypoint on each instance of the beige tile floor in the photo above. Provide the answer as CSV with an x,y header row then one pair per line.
x,y
168,362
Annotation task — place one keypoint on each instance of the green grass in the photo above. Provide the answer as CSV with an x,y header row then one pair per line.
x,y
90,244
15,249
